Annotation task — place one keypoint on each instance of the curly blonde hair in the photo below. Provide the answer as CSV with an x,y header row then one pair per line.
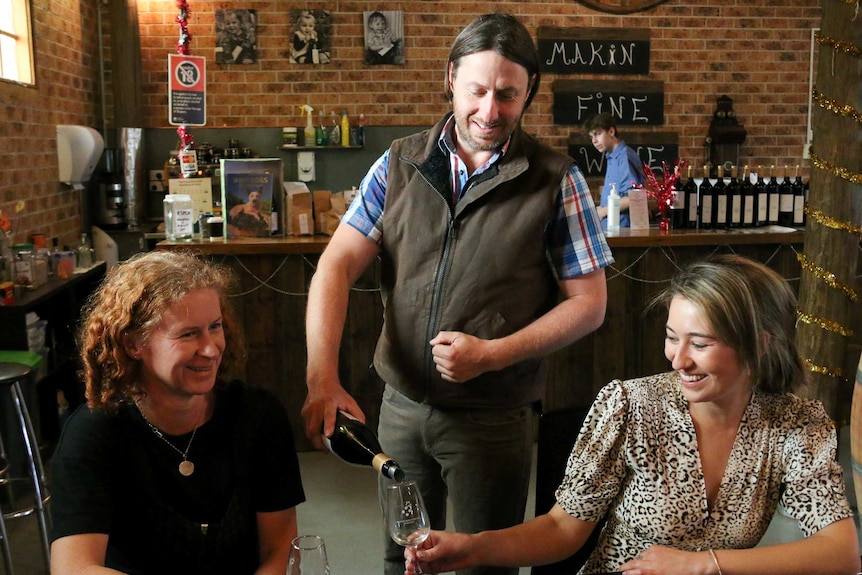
x,y
129,303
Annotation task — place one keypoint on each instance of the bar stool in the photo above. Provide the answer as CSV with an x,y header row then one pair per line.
x,y
11,376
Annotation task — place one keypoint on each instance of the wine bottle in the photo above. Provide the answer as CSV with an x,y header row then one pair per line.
x,y
719,204
798,201
678,213
705,201
772,193
355,443
785,200
734,200
762,212
690,190
749,199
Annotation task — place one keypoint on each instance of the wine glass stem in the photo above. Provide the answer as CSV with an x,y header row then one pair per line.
x,y
416,563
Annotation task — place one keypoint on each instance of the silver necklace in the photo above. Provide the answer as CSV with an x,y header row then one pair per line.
x,y
186,467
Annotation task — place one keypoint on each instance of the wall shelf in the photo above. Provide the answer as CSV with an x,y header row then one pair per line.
x,y
317,148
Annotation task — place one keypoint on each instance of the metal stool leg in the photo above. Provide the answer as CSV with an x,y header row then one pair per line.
x,y
4,546
4,535
37,471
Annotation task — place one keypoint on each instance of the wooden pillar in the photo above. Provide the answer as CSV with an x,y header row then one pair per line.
x,y
830,246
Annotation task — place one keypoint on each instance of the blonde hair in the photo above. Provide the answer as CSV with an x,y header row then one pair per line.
x,y
129,303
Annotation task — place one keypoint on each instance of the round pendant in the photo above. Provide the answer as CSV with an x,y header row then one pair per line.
x,y
187,468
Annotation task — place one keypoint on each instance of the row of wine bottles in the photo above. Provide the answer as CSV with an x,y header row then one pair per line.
x,y
736,202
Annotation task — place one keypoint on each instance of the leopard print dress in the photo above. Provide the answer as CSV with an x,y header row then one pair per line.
x,y
636,462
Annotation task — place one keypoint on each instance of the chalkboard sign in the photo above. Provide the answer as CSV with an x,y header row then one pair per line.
x,y
652,147
593,50
632,102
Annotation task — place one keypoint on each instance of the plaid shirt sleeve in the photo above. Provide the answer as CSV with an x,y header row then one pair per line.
x,y
576,242
365,213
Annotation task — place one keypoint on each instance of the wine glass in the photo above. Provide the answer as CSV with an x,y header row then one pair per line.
x,y
406,517
307,556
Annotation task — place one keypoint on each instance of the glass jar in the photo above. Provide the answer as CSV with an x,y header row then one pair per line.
x,y
179,217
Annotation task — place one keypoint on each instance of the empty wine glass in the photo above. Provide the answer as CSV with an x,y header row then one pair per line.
x,y
406,517
307,556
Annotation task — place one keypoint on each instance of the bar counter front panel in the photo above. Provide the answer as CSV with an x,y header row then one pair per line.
x,y
274,274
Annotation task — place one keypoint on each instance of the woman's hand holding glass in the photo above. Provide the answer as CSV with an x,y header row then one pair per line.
x,y
406,517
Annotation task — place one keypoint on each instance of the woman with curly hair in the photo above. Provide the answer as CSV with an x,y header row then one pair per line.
x,y
171,465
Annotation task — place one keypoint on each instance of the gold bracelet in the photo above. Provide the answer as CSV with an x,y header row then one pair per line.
x,y
715,560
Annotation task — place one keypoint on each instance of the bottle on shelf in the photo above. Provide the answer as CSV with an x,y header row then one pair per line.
x,y
354,442
785,200
798,200
360,131
320,131
85,253
690,190
772,192
678,212
334,131
705,201
749,200
309,133
720,203
734,200
614,210
762,199
345,129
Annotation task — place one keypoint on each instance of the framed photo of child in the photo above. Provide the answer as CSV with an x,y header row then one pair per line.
x,y
310,37
236,36
384,37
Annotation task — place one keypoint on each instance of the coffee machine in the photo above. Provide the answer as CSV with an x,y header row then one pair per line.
x,y
109,201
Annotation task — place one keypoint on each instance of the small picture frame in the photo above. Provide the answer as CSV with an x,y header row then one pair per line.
x,y
310,37
384,37
236,36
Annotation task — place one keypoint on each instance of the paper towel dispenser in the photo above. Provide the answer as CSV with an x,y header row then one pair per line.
x,y
78,152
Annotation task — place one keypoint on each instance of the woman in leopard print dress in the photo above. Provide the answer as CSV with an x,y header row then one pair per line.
x,y
683,471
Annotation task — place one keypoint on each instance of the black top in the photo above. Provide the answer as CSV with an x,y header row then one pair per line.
x,y
112,474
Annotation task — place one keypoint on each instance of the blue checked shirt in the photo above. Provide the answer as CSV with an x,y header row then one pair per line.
x,y
576,244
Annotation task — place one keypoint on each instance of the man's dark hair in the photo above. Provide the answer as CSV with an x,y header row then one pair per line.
x,y
603,121
503,34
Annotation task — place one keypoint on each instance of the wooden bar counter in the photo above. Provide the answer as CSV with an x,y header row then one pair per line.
x,y
274,274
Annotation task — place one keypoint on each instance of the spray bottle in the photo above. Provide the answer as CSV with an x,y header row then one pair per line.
x,y
321,138
309,132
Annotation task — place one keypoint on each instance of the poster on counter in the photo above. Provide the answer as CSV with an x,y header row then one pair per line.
x,y
187,90
200,190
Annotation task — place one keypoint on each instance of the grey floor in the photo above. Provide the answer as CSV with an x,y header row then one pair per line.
x,y
342,508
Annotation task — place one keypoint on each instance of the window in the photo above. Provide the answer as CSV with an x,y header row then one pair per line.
x,y
16,43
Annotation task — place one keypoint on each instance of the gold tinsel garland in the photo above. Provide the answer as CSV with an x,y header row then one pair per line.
x,y
824,323
830,222
825,276
823,370
837,171
838,45
835,107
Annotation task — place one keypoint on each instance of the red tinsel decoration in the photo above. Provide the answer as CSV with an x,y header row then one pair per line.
x,y
186,138
662,189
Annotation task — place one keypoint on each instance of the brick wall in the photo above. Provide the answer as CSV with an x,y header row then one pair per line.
x,y
66,92
755,52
